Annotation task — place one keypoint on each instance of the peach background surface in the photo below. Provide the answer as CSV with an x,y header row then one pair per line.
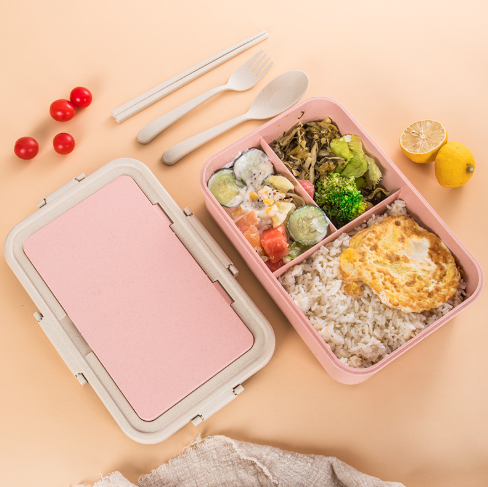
x,y
423,420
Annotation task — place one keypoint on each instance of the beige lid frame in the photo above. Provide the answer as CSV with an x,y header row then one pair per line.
x,y
203,401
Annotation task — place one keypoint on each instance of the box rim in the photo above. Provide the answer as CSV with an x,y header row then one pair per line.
x,y
364,373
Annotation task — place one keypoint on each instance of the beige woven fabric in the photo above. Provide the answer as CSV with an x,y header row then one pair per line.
x,y
218,461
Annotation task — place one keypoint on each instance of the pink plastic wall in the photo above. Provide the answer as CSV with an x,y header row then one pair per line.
x,y
393,179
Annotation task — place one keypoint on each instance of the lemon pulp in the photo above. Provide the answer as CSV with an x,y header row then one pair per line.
x,y
421,140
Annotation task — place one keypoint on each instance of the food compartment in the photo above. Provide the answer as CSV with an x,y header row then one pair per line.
x,y
393,180
274,214
395,330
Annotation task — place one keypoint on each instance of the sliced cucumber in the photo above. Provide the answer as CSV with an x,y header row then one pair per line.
x,y
308,225
227,189
253,167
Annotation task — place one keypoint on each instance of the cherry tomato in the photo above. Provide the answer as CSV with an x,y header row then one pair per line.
x,y
62,110
26,148
307,186
63,143
80,97
274,267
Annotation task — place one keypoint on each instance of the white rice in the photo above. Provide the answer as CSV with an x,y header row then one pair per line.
x,y
360,330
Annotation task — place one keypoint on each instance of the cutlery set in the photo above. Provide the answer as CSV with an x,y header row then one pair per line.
x,y
277,96
241,80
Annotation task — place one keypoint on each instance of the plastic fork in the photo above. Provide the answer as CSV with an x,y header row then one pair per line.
x,y
242,79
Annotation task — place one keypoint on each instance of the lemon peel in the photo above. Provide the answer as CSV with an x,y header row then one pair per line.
x,y
454,165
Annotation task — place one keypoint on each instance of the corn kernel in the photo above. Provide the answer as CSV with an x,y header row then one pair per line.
x,y
253,196
238,212
272,210
268,201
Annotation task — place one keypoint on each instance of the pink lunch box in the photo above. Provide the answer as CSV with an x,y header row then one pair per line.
x,y
393,179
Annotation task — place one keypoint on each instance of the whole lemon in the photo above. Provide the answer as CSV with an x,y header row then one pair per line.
x,y
454,165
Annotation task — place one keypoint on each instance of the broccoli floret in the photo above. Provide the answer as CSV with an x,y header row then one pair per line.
x,y
339,198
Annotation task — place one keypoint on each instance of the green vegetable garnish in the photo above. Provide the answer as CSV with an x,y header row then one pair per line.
x,y
357,163
340,148
297,249
360,182
354,143
373,176
339,198
356,167
227,189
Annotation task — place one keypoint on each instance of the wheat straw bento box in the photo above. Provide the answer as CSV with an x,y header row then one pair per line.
x,y
139,300
316,109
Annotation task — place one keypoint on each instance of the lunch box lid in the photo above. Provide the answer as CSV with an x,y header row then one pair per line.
x,y
86,253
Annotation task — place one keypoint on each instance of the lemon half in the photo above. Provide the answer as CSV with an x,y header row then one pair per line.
x,y
421,140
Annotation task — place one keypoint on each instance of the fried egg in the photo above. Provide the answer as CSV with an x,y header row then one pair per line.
x,y
408,267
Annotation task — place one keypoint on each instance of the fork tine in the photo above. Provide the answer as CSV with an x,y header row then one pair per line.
x,y
261,66
265,70
248,63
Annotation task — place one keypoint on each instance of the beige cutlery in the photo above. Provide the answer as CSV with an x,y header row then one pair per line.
x,y
278,95
145,100
243,79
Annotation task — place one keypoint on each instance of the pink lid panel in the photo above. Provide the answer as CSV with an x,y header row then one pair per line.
x,y
151,315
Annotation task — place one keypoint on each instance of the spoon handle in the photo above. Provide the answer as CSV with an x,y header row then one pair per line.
x,y
151,130
175,153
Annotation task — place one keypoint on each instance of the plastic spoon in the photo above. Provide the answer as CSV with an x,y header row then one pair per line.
x,y
277,96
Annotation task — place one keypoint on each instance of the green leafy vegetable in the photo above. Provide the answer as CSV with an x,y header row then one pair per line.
x,y
373,176
340,148
355,144
358,164
297,249
360,182
356,167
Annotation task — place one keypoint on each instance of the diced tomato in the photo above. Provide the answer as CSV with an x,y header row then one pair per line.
x,y
247,220
307,186
253,237
282,229
276,266
274,243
